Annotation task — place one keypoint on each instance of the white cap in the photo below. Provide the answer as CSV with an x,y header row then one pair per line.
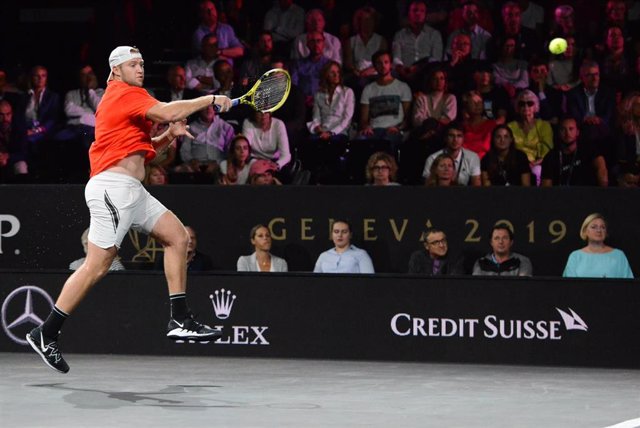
x,y
122,54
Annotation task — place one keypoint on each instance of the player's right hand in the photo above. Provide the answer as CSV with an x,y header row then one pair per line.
x,y
221,103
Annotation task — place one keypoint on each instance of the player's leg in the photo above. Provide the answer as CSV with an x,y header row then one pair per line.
x,y
169,230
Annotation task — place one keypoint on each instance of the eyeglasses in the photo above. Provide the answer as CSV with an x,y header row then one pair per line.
x,y
526,103
442,241
380,167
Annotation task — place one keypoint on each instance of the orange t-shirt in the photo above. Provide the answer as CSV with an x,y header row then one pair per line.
x,y
121,126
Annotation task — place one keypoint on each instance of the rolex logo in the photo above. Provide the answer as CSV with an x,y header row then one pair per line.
x,y
222,303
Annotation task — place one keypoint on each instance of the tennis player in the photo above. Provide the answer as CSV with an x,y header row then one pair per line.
x,y
117,200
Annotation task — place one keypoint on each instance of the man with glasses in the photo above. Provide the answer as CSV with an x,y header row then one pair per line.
x,y
501,261
434,259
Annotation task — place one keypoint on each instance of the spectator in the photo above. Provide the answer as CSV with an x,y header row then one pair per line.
x,y
196,260
564,23
224,74
502,261
596,259
435,259
591,103
442,172
235,168
381,170
460,65
199,71
477,128
229,47
628,133
363,44
285,20
457,19
42,111
268,138
526,42
504,165
466,164
416,44
479,37
616,68
496,101
116,264
532,15
261,260
384,104
563,68
306,71
344,257
573,162
13,144
314,22
550,99
155,176
205,151
629,176
260,60
533,136
508,71
262,173
176,88
289,112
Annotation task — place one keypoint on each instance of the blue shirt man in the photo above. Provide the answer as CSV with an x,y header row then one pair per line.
x,y
344,257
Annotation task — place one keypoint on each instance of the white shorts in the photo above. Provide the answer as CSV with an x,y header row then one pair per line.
x,y
117,203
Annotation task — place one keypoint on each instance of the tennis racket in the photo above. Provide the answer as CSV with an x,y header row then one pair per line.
x,y
269,93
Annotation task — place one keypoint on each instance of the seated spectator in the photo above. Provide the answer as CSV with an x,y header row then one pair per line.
x,y
435,259
261,260
573,162
615,61
205,151
627,149
176,88
229,47
442,172
563,68
13,144
497,105
363,44
564,23
285,20
502,261
155,176
268,138
533,136
344,257
466,164
10,93
381,170
479,36
459,65
508,71
262,173
504,165
305,72
314,23
416,45
596,259
199,71
592,104
260,60
84,239
477,128
457,21
550,98
235,168
525,40
384,105
289,112
196,260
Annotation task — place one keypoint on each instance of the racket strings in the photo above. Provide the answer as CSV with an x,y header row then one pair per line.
x,y
271,91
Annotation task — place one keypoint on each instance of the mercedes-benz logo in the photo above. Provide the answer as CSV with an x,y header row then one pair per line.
x,y
28,314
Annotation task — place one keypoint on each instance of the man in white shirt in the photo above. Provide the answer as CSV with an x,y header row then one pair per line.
x,y
466,162
285,20
315,22
344,257
199,71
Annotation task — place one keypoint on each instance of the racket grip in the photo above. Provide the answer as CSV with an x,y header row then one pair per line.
x,y
234,102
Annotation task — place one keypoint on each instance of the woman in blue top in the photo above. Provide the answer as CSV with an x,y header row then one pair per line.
x,y
596,260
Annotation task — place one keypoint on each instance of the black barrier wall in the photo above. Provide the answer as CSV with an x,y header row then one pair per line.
x,y
40,226
384,317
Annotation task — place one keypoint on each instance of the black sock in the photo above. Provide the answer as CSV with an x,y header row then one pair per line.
x,y
179,309
53,323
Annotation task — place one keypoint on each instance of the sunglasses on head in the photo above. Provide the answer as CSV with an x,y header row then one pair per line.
x,y
526,103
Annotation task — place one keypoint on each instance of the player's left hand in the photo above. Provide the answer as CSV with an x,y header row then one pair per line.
x,y
180,128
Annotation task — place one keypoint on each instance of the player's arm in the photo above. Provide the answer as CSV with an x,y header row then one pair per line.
x,y
179,110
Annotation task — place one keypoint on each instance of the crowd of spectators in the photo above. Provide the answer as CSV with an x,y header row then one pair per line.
x,y
455,92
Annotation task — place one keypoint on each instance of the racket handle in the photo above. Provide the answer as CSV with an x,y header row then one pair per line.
x,y
234,102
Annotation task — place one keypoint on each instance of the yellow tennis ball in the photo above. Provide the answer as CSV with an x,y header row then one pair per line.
x,y
557,46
